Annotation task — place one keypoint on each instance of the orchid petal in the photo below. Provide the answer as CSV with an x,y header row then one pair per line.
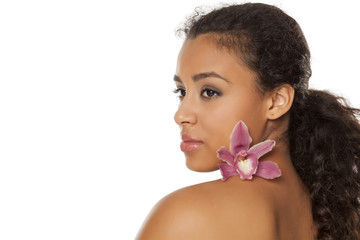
x,y
262,148
268,170
240,138
227,170
246,168
226,156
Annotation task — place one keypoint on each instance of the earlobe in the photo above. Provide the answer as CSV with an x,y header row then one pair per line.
x,y
280,101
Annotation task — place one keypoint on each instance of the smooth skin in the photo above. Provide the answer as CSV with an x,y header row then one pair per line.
x,y
216,90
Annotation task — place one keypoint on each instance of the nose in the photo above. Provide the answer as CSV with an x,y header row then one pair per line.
x,y
186,113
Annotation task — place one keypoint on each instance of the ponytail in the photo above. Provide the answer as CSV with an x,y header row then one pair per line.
x,y
324,135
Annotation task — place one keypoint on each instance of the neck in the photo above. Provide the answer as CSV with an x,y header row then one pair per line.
x,y
281,155
277,130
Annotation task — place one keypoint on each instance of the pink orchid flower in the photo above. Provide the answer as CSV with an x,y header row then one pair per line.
x,y
244,161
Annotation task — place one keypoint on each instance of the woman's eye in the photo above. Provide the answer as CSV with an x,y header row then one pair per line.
x,y
181,92
209,93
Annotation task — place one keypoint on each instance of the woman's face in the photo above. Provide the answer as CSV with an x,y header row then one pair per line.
x,y
215,91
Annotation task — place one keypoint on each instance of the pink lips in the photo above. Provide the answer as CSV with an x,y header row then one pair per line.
x,y
189,144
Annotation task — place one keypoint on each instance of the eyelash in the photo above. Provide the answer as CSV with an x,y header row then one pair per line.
x,y
214,94
181,91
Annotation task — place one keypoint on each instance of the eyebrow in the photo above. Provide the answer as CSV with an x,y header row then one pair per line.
x,y
201,76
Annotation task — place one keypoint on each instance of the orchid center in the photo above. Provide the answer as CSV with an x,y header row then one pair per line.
x,y
241,156
245,166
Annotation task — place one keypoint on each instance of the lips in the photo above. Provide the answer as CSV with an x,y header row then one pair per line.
x,y
189,144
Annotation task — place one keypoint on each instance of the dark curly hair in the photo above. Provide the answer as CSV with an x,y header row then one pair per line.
x,y
323,133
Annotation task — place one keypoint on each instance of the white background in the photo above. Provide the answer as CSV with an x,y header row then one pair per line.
x,y
87,139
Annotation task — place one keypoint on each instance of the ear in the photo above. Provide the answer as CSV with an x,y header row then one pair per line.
x,y
279,101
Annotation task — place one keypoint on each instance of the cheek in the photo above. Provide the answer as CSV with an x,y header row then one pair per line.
x,y
223,116
220,122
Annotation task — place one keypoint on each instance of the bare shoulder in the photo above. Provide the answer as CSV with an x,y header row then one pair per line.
x,y
213,210
176,216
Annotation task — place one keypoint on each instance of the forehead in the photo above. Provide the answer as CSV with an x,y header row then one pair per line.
x,y
202,51
203,54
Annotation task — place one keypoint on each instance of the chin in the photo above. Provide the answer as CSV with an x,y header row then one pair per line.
x,y
201,166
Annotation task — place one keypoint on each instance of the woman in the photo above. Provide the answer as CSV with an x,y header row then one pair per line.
x,y
251,63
